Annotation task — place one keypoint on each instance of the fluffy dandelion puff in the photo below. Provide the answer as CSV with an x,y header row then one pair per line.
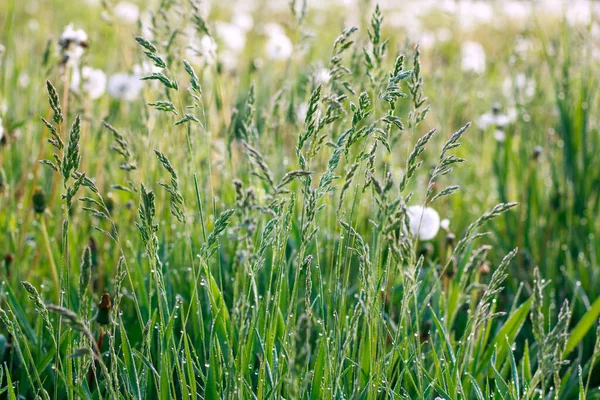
x,y
272,29
473,13
578,13
75,79
93,82
124,86
517,10
523,46
500,135
443,35
146,29
205,48
228,60
472,57
24,79
278,46
427,40
424,222
243,20
231,35
321,76
496,118
219,151
445,224
302,111
145,68
126,12
72,44
73,36
523,86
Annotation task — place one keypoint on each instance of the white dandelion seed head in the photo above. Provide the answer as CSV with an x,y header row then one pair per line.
x,y
202,49
258,63
403,19
146,25
231,35
523,46
424,222
205,49
72,44
273,28
124,86
503,120
472,57
24,79
445,224
485,120
243,21
208,47
204,8
595,30
427,40
578,12
521,84
228,60
145,68
510,116
321,76
352,17
279,46
93,82
219,151
472,13
302,111
76,36
495,118
525,85
33,24
75,79
443,35
126,12
500,135
517,10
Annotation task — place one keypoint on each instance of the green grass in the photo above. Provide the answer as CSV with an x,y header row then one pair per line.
x,y
208,240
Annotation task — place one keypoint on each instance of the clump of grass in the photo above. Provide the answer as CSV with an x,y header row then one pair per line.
x,y
291,268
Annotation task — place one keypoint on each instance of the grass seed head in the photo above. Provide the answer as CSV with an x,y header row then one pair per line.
x,y
103,313
39,200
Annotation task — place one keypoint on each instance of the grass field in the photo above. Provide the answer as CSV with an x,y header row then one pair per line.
x,y
271,199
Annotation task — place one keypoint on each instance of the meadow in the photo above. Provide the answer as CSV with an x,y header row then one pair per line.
x,y
299,199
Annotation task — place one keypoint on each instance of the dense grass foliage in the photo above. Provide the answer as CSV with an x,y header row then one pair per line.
x,y
298,202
